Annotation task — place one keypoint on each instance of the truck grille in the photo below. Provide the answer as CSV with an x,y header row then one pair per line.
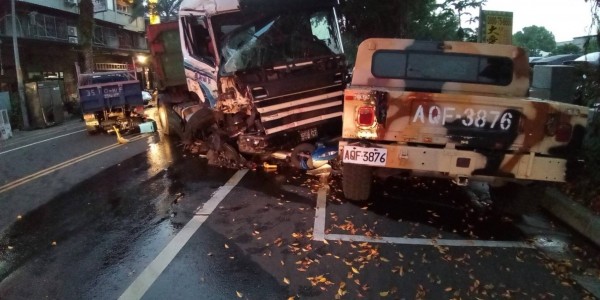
x,y
302,104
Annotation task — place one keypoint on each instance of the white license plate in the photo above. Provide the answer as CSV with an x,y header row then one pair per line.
x,y
476,117
92,123
365,156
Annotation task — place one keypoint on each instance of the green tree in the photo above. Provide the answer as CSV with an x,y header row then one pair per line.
x,y
416,19
535,39
461,9
566,49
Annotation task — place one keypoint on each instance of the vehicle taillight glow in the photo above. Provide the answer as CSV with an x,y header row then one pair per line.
x,y
563,132
366,116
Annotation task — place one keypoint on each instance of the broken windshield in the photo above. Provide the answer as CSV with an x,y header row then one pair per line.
x,y
282,39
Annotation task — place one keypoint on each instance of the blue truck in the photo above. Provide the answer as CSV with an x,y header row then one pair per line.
x,y
110,100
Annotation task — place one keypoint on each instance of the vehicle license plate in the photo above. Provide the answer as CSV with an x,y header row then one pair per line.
x,y
308,134
365,156
476,117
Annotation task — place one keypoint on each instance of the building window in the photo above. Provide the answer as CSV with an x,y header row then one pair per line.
x,y
124,6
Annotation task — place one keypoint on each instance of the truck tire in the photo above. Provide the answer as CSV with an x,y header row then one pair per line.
x,y
198,124
356,182
92,130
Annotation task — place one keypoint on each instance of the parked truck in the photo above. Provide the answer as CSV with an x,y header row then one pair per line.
x,y
110,100
454,110
252,78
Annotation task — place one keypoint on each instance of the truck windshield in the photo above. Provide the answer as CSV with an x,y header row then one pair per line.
x,y
281,39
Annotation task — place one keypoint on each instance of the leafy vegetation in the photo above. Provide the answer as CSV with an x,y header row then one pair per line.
x,y
566,49
584,187
535,39
415,19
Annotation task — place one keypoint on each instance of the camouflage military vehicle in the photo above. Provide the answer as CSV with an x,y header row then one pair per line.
x,y
454,110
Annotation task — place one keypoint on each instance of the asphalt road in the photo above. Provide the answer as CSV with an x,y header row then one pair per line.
x,y
147,221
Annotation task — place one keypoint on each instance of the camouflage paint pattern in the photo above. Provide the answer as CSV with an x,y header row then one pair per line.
x,y
458,129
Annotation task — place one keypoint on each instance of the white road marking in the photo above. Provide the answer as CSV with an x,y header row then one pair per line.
x,y
319,228
144,281
320,235
39,142
426,242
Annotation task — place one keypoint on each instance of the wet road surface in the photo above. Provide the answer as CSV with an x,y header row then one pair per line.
x,y
276,235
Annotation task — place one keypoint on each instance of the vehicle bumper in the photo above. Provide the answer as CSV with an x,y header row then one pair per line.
x,y
460,164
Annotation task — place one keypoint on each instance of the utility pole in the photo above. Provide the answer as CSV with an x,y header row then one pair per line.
x,y
18,68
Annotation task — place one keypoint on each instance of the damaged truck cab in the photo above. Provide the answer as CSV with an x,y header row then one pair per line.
x,y
260,76
454,110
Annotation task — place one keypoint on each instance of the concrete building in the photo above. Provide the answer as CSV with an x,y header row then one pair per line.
x,y
580,41
49,43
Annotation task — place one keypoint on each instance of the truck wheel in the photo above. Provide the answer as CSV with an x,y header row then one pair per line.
x,y
198,123
356,182
92,130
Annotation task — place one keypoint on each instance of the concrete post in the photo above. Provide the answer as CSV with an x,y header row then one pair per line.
x,y
20,86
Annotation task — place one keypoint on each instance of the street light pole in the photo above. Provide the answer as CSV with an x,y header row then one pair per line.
x,y
18,68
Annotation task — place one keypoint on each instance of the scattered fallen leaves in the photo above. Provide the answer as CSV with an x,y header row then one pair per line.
x,y
278,242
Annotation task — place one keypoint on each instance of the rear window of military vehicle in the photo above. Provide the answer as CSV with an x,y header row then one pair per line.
x,y
442,67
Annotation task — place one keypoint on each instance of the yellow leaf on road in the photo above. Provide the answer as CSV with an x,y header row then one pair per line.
x,y
355,270
287,281
240,295
226,246
384,294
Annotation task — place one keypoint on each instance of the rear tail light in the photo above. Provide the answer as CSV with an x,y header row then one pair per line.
x,y
563,132
366,116
89,117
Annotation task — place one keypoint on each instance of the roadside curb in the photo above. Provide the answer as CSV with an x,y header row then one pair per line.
x,y
572,213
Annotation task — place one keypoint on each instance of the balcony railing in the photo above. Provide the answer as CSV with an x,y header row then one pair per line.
x,y
45,27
